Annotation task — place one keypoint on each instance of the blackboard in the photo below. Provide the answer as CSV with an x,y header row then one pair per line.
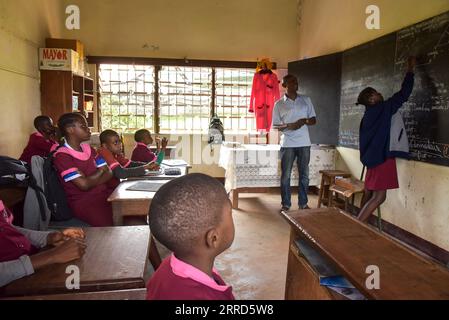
x,y
319,78
371,64
381,63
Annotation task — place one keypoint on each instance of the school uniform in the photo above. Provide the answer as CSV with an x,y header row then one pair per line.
x,y
120,166
37,146
89,206
142,153
177,280
16,245
375,149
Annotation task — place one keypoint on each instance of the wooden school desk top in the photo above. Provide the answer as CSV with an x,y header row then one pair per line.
x,y
353,246
131,294
183,168
115,259
122,194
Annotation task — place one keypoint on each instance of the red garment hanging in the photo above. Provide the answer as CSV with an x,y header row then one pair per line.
x,y
265,92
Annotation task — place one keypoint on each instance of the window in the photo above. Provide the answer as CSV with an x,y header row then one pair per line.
x,y
233,92
127,97
185,99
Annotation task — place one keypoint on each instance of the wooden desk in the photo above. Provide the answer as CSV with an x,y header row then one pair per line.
x,y
184,171
132,294
115,259
130,203
328,179
134,203
351,246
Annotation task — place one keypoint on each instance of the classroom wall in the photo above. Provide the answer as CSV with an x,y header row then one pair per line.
x,y
196,29
420,205
24,25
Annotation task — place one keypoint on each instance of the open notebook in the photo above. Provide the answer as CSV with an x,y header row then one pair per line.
x,y
174,163
145,186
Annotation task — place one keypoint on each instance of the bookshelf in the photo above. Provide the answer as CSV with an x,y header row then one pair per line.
x,y
64,91
68,91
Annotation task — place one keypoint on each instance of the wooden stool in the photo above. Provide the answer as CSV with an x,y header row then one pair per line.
x,y
327,179
346,187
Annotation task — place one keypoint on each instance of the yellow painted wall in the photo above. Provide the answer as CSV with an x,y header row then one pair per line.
x,y
420,206
24,25
196,29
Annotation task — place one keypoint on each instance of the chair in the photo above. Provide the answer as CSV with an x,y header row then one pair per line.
x,y
327,179
347,188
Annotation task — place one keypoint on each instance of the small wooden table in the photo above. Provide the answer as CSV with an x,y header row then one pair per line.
x,y
130,203
351,247
328,179
115,259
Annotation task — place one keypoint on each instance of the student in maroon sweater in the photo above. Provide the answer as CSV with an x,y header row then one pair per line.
x,y
141,151
41,141
191,216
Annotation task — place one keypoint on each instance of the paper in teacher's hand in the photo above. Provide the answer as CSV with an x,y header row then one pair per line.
x,y
279,126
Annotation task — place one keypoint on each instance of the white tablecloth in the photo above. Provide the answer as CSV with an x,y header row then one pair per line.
x,y
259,165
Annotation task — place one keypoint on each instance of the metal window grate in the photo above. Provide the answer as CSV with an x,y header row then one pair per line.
x,y
185,94
126,97
232,96
185,99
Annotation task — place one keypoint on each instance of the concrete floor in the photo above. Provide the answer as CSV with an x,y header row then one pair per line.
x,y
256,263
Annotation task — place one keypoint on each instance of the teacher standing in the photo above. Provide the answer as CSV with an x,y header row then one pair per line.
x,y
292,115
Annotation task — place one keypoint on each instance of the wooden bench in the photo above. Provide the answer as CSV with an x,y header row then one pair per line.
x,y
351,247
132,294
327,179
347,188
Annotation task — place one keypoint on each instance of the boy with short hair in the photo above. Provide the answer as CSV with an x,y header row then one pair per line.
x,y
191,216
41,141
141,151
122,168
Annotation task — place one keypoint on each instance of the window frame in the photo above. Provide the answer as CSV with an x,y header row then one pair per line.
x,y
158,63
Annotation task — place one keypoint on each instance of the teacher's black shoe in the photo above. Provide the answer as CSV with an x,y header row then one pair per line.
x,y
284,209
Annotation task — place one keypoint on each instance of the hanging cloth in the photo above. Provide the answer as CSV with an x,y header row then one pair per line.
x,y
265,92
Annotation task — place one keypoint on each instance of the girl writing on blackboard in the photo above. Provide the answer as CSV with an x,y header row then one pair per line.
x,y
375,146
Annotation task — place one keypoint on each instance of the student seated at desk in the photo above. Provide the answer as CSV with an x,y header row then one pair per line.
x,y
192,217
141,151
19,248
41,141
111,152
83,174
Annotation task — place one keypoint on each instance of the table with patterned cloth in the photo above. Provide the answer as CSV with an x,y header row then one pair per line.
x,y
255,168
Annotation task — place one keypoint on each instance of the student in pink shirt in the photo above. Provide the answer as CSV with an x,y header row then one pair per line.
x,y
83,173
41,141
141,152
20,253
191,216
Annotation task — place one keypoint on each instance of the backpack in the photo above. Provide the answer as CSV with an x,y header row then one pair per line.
x,y
54,191
216,131
16,173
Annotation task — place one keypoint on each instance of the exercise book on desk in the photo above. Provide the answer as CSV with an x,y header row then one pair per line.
x,y
145,186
